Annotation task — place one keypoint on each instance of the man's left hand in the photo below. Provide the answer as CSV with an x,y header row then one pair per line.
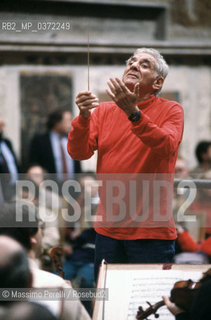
x,y
122,96
173,308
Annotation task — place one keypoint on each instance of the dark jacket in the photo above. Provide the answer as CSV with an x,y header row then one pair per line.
x,y
9,145
41,153
7,189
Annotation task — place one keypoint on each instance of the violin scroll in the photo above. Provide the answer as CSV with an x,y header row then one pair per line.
x,y
143,314
56,254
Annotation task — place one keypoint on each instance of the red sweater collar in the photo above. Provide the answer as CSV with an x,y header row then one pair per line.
x,y
147,102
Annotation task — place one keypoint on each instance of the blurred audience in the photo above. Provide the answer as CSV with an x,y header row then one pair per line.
x,y
15,273
187,249
79,247
28,232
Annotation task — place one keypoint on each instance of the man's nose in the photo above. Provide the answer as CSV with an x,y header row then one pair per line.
x,y
134,65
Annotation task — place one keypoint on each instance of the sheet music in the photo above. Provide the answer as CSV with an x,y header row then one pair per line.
x,y
129,289
151,286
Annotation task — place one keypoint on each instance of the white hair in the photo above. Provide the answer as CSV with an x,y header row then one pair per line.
x,y
161,66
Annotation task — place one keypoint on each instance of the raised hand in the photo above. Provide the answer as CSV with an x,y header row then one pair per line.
x,y
86,101
122,96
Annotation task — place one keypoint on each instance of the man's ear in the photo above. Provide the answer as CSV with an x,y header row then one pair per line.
x,y
158,82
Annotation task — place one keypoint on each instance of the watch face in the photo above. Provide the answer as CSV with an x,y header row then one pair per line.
x,y
135,116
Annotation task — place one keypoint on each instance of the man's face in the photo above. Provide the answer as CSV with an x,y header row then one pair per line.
x,y
64,126
208,154
36,174
181,170
140,69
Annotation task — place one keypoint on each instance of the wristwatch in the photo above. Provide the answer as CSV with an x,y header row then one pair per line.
x,y
135,116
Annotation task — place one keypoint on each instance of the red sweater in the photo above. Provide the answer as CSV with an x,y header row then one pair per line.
x,y
147,146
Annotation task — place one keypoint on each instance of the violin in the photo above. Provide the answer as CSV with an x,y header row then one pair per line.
x,y
56,254
182,295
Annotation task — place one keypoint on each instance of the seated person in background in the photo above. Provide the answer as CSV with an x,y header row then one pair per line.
x,y
186,243
181,169
14,269
79,264
80,241
187,250
203,155
29,234
15,273
180,194
14,266
29,311
48,198
31,193
87,200
202,202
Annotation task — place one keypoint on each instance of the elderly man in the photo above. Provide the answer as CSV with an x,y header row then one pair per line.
x,y
137,134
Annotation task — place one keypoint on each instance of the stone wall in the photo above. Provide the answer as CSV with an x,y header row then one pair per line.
x,y
192,86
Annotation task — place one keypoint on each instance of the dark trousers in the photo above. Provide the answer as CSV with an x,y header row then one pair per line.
x,y
132,251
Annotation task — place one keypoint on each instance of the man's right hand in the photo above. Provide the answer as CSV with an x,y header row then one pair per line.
x,y
86,101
